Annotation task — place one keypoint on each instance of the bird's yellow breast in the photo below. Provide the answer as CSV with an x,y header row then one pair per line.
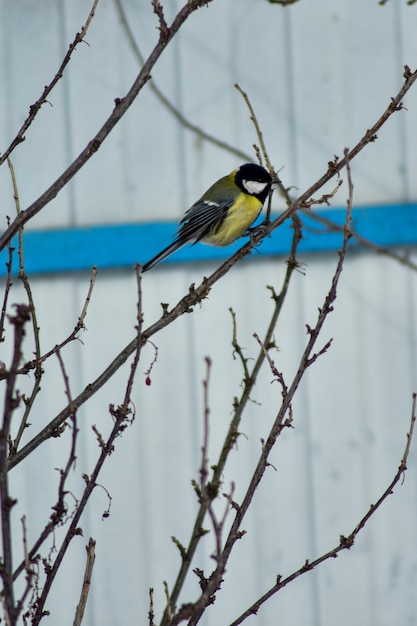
x,y
238,219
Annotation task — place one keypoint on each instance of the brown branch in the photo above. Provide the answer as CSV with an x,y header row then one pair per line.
x,y
35,363
151,614
206,414
403,259
39,360
335,166
196,609
60,509
29,571
23,277
120,108
199,132
346,542
11,402
121,415
7,287
258,131
199,293
249,379
34,108
91,556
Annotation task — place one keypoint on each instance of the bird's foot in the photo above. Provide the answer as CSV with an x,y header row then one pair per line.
x,y
261,229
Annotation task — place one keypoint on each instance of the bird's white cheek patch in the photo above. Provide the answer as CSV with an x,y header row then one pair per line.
x,y
254,187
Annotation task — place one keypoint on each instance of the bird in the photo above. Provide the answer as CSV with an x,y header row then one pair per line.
x,y
224,213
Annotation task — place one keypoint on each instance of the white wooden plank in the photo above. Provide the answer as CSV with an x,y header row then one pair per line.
x,y
353,407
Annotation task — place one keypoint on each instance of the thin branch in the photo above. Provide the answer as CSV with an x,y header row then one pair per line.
x,y
35,363
199,293
34,108
151,614
60,509
7,287
121,415
250,378
199,132
23,277
258,130
29,571
196,609
403,259
345,543
11,402
120,108
206,412
39,360
91,556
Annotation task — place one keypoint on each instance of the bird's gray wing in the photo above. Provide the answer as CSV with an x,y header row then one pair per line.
x,y
200,219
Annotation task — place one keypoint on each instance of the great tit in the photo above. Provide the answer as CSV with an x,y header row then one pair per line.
x,y
224,212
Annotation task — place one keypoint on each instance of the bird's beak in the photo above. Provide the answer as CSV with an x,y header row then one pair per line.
x,y
275,182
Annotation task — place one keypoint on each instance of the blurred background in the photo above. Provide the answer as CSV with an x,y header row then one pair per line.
x,y
318,76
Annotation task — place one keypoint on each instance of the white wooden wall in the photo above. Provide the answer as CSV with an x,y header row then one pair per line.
x,y
318,75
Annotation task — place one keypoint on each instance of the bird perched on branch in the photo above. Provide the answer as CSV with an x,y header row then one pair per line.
x,y
224,212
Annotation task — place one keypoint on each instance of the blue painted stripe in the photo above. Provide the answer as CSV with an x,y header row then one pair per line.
x,y
118,246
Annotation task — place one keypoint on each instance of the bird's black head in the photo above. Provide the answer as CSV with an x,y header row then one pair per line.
x,y
254,180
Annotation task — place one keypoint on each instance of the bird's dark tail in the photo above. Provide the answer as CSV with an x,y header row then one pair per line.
x,y
176,245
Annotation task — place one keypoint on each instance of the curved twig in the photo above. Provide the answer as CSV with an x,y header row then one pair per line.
x,y
121,106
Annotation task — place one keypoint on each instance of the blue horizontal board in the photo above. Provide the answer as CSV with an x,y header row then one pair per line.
x,y
117,246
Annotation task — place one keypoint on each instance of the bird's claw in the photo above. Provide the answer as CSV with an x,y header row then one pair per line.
x,y
252,233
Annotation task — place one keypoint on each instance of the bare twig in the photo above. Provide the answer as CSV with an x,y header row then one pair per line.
x,y
249,380
206,412
7,287
258,131
199,293
237,348
23,277
196,609
151,614
34,108
30,365
278,375
346,542
91,556
121,415
28,569
11,402
206,489
403,259
120,108
199,132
